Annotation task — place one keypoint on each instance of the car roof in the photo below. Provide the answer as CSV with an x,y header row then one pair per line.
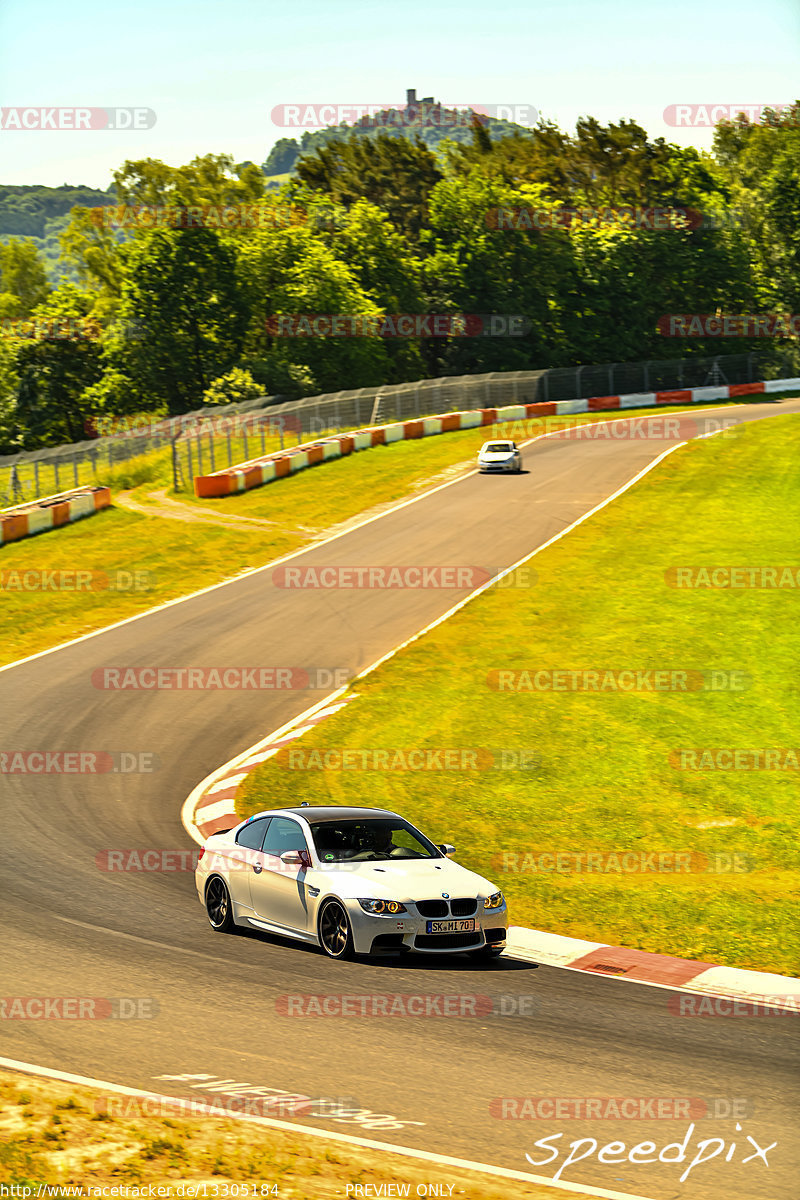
x,y
322,813
499,442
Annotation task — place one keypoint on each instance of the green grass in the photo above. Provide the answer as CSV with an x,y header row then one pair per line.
x,y
602,779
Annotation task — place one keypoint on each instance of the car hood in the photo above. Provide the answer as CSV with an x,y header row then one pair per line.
x,y
496,455
402,879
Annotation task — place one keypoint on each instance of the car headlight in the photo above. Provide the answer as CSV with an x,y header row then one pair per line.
x,y
383,908
494,901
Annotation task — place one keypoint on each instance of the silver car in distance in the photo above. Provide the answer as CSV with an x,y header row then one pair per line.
x,y
499,457
350,880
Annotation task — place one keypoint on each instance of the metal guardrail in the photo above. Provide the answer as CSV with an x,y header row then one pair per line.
x,y
213,437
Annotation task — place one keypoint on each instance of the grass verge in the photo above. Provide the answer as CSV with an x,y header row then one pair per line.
x,y
61,1135
603,772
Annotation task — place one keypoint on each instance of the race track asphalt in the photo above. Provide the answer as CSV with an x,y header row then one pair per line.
x,y
73,929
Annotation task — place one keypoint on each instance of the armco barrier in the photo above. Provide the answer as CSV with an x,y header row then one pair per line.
x,y
276,466
51,512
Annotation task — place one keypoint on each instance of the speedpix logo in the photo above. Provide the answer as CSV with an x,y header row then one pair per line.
x,y
56,119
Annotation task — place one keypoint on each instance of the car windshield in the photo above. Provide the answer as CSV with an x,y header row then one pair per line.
x,y
369,840
498,448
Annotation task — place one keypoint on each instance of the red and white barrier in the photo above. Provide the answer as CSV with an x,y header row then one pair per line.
x,y
51,512
276,466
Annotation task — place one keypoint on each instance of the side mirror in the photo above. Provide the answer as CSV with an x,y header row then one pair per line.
x,y
296,858
447,850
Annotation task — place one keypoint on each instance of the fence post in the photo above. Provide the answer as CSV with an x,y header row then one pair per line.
x,y
55,465
244,435
230,449
263,440
211,451
36,477
75,469
175,464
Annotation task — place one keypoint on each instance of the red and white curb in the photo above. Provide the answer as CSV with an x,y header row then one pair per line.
x,y
211,808
745,993
51,512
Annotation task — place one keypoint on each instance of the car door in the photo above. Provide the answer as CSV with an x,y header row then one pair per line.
x,y
277,891
237,863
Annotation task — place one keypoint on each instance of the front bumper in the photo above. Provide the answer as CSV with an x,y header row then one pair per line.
x,y
499,468
408,931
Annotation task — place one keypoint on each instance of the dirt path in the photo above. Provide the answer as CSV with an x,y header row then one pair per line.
x,y
175,510
160,504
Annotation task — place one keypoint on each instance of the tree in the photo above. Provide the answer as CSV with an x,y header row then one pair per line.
x,y
211,179
233,388
282,157
762,163
394,173
292,272
183,316
55,367
23,279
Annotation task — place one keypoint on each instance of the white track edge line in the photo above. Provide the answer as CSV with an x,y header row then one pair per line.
x,y
330,1135
315,545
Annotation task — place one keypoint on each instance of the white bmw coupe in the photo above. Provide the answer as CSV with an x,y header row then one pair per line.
x,y
350,880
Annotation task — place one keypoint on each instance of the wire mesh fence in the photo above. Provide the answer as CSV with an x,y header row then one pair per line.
x,y
211,439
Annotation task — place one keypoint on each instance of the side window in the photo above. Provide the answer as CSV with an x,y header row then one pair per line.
x,y
252,835
284,834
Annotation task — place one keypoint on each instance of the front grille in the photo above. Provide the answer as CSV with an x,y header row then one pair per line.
x,y
463,908
447,941
433,908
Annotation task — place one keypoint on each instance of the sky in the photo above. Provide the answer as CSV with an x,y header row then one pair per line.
x,y
213,71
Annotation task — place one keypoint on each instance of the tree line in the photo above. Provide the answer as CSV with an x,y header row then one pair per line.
x,y
592,236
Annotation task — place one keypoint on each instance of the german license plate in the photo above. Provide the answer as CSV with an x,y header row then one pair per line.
x,y
452,926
